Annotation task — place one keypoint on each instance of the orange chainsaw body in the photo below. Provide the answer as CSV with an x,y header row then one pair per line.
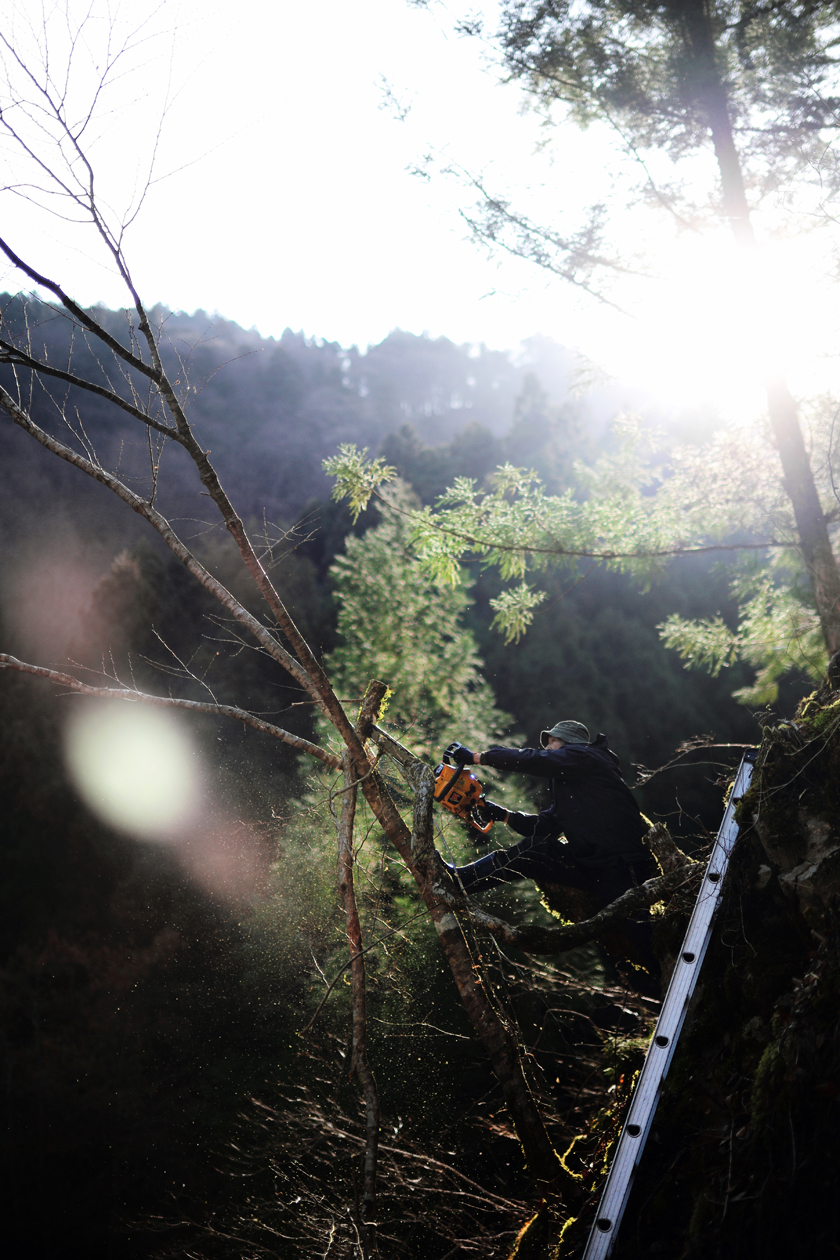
x,y
458,790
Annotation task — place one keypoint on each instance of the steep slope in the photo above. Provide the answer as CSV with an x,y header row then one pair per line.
x,y
742,1158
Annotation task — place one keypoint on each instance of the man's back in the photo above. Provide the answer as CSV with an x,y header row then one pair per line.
x,y
591,804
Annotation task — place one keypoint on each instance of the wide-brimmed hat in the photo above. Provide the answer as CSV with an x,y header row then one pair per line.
x,y
570,732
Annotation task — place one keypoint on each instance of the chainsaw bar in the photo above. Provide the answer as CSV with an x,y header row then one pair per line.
x,y
646,1095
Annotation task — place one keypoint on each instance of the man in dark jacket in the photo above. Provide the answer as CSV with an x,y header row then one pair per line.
x,y
589,837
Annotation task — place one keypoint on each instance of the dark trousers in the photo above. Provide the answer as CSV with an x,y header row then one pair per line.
x,y
546,861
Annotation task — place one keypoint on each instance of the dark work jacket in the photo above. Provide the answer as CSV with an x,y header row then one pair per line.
x,y
591,804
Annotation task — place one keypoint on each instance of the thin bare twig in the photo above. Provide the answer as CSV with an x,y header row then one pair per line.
x,y
398,931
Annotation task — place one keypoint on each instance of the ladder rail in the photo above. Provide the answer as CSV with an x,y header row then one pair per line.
x,y
640,1114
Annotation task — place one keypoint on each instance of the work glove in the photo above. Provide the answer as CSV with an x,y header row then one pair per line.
x,y
492,812
460,754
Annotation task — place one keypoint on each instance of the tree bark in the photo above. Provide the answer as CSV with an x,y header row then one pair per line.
x,y
811,525
711,93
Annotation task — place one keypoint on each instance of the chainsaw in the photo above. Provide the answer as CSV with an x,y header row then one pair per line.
x,y
458,790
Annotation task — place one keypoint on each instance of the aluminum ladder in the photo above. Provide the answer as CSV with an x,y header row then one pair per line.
x,y
643,1104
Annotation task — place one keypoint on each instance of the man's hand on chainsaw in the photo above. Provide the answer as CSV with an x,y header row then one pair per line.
x,y
460,754
491,812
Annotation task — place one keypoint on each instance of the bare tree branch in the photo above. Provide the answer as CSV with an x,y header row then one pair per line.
x,y
499,1039
685,749
19,358
156,374
173,542
80,314
171,702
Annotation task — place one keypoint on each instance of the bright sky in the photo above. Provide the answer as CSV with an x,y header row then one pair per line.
x,y
295,207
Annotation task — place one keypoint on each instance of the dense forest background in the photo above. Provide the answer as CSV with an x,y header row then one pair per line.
x,y
145,1010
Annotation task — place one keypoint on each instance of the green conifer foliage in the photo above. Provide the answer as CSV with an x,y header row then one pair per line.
x,y
398,623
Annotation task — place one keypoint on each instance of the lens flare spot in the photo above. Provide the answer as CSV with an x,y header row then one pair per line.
x,y
135,767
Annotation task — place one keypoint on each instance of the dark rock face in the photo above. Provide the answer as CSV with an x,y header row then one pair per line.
x,y
795,807
743,1157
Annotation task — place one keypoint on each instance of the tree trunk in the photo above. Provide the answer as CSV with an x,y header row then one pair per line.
x,y
711,94
811,525
810,518
359,1065
498,1038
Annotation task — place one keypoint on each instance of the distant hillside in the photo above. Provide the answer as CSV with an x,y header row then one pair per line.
x,y
272,410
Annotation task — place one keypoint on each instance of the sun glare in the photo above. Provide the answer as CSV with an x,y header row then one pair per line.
x,y
135,767
719,324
